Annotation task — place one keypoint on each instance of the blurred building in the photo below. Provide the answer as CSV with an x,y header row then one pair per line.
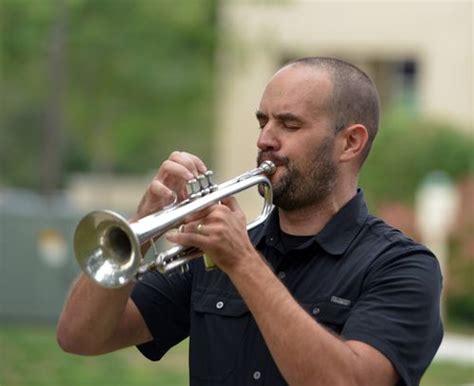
x,y
419,53
114,192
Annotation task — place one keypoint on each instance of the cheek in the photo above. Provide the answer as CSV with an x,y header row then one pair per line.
x,y
303,154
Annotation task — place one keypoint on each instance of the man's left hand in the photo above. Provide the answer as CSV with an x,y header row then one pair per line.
x,y
220,231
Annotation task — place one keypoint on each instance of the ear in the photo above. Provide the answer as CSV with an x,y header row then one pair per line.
x,y
353,141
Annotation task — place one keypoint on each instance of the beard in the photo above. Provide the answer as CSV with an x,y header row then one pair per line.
x,y
304,185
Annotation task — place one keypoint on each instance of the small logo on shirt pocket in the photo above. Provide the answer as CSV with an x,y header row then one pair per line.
x,y
341,301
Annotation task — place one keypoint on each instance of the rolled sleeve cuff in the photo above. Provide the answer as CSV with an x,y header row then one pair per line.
x,y
386,350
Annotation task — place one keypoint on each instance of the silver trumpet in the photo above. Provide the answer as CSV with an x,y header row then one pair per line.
x,y
108,247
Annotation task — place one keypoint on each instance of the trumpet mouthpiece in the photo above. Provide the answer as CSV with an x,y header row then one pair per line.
x,y
268,167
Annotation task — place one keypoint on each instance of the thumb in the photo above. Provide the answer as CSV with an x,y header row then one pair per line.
x,y
232,204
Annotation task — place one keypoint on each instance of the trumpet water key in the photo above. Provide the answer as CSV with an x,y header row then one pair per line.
x,y
108,247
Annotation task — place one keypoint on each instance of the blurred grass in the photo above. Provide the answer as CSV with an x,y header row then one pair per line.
x,y
448,374
29,356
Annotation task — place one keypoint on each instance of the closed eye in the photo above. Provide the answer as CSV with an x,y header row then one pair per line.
x,y
290,121
290,125
261,118
287,120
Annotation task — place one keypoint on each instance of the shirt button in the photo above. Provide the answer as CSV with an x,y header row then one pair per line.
x,y
257,375
219,305
281,275
315,311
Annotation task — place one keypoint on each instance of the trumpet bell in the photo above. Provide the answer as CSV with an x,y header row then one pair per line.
x,y
106,249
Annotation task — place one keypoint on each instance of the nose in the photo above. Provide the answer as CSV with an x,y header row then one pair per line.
x,y
268,140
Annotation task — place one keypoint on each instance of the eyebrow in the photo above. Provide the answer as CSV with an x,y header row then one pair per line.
x,y
288,117
280,116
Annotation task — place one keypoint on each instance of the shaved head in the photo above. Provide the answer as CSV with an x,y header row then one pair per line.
x,y
354,98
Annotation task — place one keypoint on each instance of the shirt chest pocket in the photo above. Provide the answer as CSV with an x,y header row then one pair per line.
x,y
332,316
218,327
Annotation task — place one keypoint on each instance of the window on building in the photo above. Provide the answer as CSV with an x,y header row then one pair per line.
x,y
397,83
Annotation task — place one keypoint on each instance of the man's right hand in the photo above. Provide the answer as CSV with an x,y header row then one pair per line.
x,y
97,320
169,183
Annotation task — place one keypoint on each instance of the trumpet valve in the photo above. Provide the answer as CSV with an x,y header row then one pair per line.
x,y
201,185
203,181
208,175
193,187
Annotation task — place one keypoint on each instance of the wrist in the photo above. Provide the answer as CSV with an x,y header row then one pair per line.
x,y
247,265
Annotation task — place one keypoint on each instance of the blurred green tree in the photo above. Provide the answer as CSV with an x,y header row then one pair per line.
x,y
108,86
406,150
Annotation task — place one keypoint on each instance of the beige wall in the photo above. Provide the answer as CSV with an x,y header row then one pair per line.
x,y
256,36
119,193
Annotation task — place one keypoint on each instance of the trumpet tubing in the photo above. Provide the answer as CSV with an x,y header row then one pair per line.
x,y
108,248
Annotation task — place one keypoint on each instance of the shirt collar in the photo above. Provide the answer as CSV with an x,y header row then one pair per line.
x,y
336,235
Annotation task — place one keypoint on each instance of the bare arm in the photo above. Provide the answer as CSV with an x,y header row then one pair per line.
x,y
97,320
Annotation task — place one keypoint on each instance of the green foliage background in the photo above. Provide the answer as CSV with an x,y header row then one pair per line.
x,y
138,80
406,150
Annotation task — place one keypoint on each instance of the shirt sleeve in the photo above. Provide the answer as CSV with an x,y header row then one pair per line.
x,y
163,302
398,312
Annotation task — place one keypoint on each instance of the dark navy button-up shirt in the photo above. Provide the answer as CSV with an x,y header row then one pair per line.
x,y
359,277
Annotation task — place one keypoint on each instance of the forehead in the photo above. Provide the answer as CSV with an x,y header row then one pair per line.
x,y
297,88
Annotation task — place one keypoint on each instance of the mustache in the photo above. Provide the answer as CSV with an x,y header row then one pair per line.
x,y
278,160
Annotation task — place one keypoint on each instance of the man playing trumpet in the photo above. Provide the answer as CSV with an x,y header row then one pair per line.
x,y
322,293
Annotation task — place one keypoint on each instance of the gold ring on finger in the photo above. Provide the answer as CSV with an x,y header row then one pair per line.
x,y
199,229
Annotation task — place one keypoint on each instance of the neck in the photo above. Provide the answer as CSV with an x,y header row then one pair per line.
x,y
310,220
